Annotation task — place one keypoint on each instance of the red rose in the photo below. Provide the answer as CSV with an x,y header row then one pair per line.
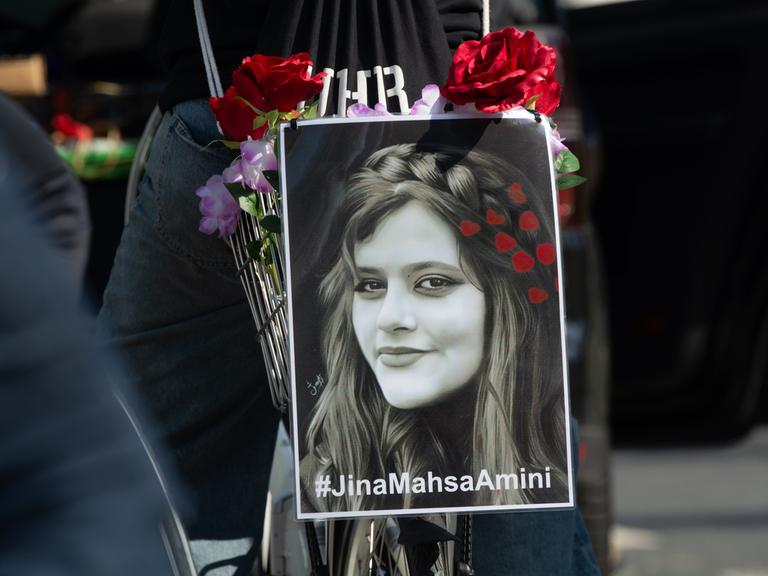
x,y
503,70
267,83
236,118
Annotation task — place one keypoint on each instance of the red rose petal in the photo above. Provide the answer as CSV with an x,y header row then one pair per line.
x,y
516,194
545,253
504,242
276,83
549,98
522,261
469,228
537,295
494,217
528,221
502,70
235,117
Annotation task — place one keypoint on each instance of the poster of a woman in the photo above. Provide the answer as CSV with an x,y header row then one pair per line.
x,y
427,349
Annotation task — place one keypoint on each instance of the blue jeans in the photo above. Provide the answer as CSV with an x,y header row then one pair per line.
x,y
176,308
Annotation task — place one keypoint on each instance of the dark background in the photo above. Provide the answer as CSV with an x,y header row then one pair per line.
x,y
672,93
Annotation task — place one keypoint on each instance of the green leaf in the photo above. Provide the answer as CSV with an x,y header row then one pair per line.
x,y
251,106
272,117
566,162
530,104
254,249
250,204
271,223
570,181
310,112
559,163
237,190
272,177
231,144
258,122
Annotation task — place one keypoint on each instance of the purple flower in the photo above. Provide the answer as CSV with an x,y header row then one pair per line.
x,y
255,157
556,141
431,102
219,209
357,110
233,173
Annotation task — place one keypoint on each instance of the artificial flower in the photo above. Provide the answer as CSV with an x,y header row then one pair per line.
x,y
256,156
264,84
275,83
238,121
503,70
362,110
431,101
556,143
219,209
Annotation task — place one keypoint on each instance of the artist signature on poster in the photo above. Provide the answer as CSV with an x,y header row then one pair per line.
x,y
316,386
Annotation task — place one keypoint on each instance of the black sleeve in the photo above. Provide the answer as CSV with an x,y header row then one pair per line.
x,y
462,20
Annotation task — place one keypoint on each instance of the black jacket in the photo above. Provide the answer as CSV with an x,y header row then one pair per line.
x,y
374,50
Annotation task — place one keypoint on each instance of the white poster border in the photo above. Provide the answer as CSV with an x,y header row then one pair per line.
x,y
517,114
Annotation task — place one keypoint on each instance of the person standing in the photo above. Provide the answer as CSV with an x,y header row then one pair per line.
x,y
174,303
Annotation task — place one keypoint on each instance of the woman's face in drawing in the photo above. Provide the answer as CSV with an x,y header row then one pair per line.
x,y
418,318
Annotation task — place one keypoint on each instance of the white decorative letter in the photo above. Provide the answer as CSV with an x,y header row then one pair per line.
x,y
322,107
341,97
381,93
397,89
361,95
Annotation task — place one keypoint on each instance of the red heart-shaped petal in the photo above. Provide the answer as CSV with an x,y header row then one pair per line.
x,y
522,261
528,221
504,242
537,295
469,228
545,253
515,193
494,217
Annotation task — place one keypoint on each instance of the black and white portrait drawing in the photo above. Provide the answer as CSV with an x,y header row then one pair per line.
x,y
426,316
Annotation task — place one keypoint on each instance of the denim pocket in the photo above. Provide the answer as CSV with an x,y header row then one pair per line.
x,y
183,164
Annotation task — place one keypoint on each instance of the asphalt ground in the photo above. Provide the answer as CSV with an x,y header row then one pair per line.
x,y
700,511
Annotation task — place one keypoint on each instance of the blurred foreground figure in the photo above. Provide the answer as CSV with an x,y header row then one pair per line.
x,y
78,495
53,197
